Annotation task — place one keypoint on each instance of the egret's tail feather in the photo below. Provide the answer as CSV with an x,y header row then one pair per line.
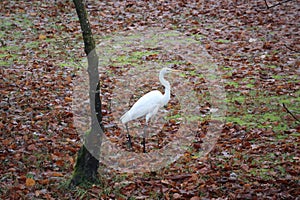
x,y
125,118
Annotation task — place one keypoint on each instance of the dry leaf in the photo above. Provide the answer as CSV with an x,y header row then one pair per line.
x,y
42,37
57,174
30,182
44,181
60,163
68,99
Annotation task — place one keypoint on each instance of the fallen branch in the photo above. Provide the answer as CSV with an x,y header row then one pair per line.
x,y
272,6
289,48
290,112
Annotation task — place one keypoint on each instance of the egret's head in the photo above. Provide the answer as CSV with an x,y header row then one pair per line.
x,y
166,70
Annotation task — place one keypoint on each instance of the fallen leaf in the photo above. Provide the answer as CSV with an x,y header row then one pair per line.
x,y
30,182
176,196
57,174
68,99
44,181
42,37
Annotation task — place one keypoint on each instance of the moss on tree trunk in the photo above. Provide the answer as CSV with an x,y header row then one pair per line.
x,y
86,168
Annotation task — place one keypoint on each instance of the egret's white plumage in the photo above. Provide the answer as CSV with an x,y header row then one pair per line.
x,y
152,99
149,104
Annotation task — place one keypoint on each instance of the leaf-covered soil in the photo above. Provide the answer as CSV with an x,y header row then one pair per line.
x,y
257,155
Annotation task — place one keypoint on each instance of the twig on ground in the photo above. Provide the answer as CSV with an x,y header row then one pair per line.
x,y
277,4
289,48
290,112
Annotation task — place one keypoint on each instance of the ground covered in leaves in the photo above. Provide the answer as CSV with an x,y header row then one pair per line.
x,y
255,47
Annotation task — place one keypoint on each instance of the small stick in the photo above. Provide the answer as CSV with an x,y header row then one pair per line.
x,y
290,112
276,4
289,48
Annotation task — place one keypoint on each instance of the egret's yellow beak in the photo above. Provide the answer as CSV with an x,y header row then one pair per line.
x,y
175,70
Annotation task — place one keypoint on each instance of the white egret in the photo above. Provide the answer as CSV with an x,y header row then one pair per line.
x,y
148,105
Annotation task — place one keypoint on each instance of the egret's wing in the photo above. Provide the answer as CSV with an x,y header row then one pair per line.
x,y
146,104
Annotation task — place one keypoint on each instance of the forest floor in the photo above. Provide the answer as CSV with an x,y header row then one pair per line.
x,y
256,50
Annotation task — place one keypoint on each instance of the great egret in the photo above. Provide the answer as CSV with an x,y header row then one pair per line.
x,y
148,105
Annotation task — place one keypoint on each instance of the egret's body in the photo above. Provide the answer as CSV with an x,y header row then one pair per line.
x,y
148,105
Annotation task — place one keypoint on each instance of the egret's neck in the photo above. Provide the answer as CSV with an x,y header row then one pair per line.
x,y
167,86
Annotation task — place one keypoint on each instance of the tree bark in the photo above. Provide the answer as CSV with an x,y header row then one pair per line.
x,y
87,162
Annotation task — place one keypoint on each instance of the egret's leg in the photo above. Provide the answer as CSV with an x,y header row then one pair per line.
x,y
129,144
144,138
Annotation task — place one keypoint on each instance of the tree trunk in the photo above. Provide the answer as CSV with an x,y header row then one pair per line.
x,y
87,163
